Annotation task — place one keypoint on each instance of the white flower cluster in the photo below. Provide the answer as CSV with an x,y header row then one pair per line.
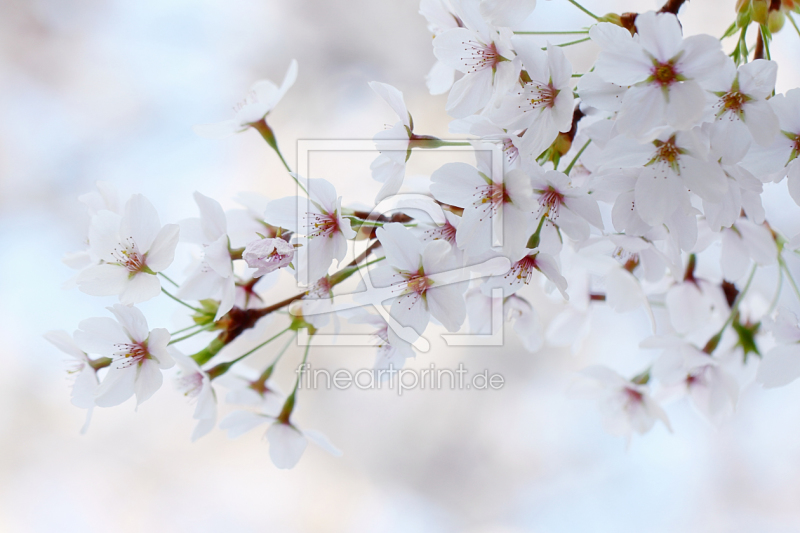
x,y
614,185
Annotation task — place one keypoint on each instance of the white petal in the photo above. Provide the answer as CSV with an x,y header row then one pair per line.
x,y
761,121
660,34
217,256
133,320
141,287
117,386
446,304
440,78
403,250
394,98
100,336
470,93
240,422
286,445
139,222
212,217
103,280
63,341
322,441
658,193
780,366
148,380
283,213
685,104
162,251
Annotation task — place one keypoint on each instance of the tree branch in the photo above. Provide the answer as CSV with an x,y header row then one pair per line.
x,y
672,6
759,50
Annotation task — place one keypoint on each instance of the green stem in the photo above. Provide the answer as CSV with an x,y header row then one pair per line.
x,y
575,159
765,39
368,263
222,368
774,302
452,143
533,241
167,278
283,350
269,136
165,291
302,366
192,334
205,355
562,45
185,329
789,276
576,4
260,346
582,32
791,19
288,406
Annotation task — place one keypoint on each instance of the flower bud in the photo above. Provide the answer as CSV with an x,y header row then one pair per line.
x,y
775,21
742,6
760,10
613,18
268,255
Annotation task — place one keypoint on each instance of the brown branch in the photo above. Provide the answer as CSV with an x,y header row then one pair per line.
x,y
628,20
672,6
759,50
577,115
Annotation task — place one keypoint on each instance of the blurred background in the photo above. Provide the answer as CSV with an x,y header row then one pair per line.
x,y
108,90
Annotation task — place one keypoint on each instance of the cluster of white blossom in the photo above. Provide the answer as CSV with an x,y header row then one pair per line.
x,y
668,143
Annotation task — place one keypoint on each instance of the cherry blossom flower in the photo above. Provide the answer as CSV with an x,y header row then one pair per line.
x,y
260,100
447,232
626,406
666,73
105,198
522,270
268,255
392,351
134,247
194,383
488,203
138,355
696,305
487,130
410,269
712,389
323,229
544,105
247,387
569,208
780,158
742,112
440,17
483,54
213,277
85,384
674,164
744,193
287,442
781,365
743,242
390,167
